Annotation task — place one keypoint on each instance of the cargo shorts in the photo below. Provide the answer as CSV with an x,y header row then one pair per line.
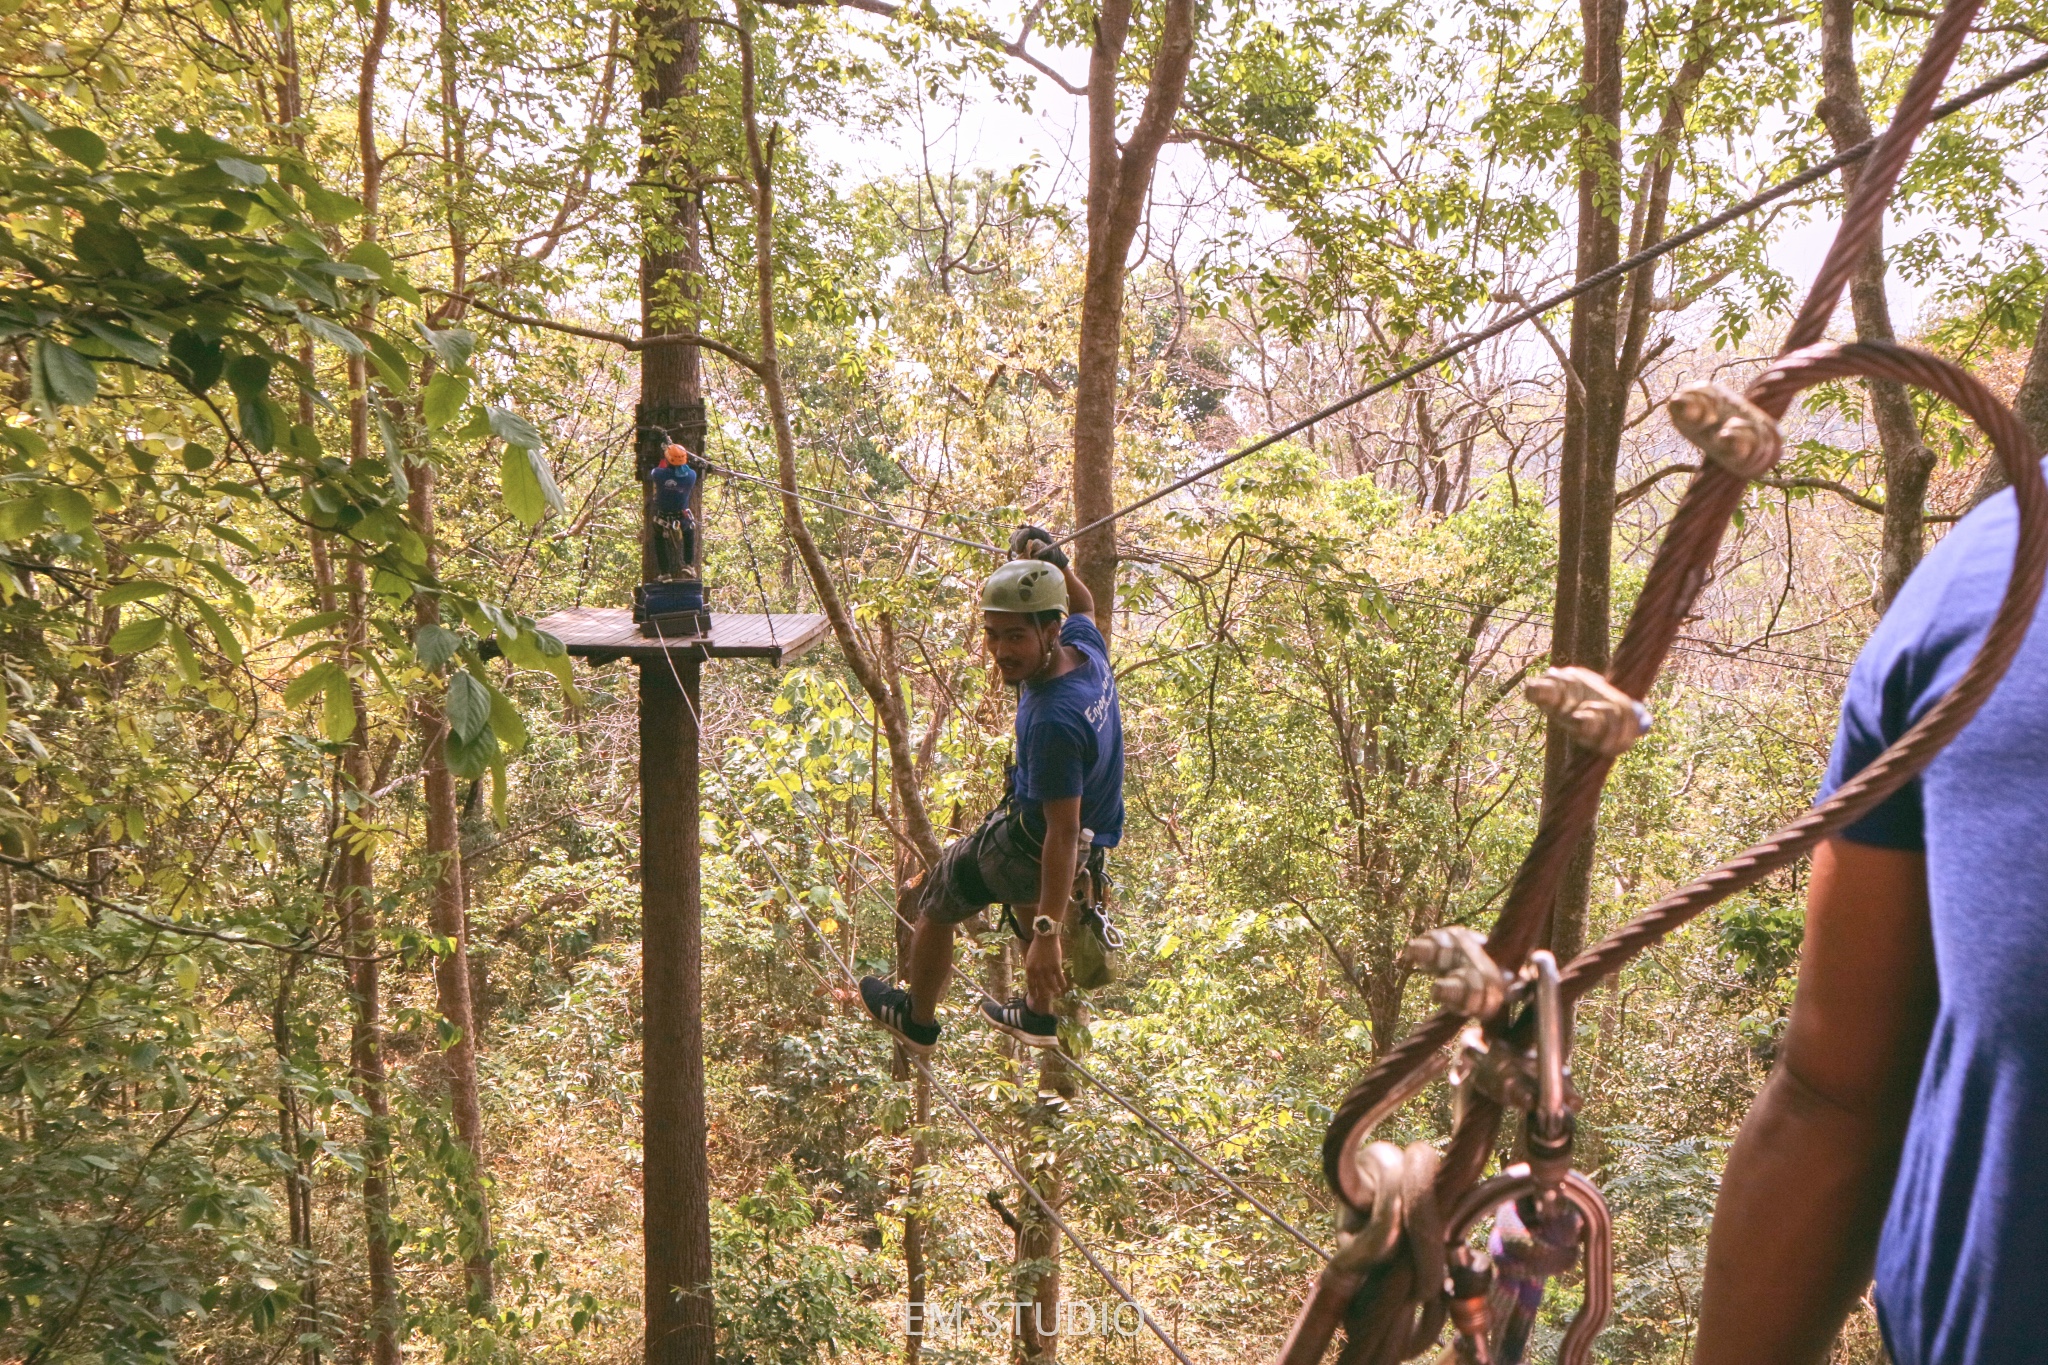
x,y
997,864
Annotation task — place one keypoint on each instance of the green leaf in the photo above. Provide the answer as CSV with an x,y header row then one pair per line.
x,y
470,759
394,454
23,517
315,679
530,491
72,507
196,457
323,330
338,715
248,376
235,538
135,590
138,635
506,723
328,207
107,248
188,658
446,394
247,172
196,360
64,376
469,707
435,645
512,429
452,346
136,348
260,422
224,637
306,625
80,144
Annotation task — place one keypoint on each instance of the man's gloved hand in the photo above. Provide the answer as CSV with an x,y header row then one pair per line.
x,y
1035,542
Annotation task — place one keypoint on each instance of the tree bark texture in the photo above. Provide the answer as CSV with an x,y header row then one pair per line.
x,y
671,264
1119,184
447,916
1908,461
356,910
447,898
676,1189
353,873
1592,423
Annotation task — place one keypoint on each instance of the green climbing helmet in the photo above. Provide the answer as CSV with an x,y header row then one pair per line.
x,y
1025,585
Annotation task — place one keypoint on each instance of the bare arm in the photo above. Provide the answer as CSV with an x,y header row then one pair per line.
x,y
1080,602
1795,1228
1042,977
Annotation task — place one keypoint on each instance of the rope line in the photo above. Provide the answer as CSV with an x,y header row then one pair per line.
x,y
730,472
1613,272
944,1091
1137,1111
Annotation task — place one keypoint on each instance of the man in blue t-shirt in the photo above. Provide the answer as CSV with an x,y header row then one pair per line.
x,y
1906,1123
1069,779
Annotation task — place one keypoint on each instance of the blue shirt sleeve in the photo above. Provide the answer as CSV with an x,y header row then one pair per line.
x,y
1868,727
1082,633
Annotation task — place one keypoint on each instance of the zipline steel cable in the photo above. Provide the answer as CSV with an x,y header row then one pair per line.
x,y
1996,85
1821,171
944,1091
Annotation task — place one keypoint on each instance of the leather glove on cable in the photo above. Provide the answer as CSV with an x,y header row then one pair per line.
x,y
1035,542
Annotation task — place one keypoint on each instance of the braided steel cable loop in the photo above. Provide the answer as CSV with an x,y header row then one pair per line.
x,y
1680,569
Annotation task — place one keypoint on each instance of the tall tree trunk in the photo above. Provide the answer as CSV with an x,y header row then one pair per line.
x,y
290,1125
914,1223
676,1194
298,1182
447,901
676,1181
356,904
1908,460
1592,426
355,910
1119,184
671,378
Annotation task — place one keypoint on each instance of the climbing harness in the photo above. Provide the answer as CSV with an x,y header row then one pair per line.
x,y
1402,1267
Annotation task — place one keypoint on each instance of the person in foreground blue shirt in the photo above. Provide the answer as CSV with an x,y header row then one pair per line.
x,y
1905,1128
1069,778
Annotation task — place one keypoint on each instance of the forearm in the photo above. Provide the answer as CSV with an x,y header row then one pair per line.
x,y
1080,602
1795,1227
1056,866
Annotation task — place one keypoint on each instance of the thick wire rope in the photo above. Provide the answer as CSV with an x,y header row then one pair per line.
x,y
1613,272
944,1091
1137,1111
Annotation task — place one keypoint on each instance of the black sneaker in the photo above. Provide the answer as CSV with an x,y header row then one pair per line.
x,y
889,1006
1022,1022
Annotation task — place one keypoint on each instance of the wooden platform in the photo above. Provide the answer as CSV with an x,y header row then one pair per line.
x,y
603,633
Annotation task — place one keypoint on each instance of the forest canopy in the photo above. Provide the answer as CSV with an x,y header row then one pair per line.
x,y
332,337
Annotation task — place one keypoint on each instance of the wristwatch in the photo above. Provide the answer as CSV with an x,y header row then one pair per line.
x,y
1044,924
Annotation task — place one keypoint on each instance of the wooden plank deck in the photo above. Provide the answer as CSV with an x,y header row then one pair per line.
x,y
603,633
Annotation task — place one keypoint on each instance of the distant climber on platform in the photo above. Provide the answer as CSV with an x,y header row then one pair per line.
x,y
671,481
1038,624
1905,1125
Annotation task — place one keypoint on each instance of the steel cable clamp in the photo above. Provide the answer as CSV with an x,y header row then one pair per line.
x,y
1730,430
1593,711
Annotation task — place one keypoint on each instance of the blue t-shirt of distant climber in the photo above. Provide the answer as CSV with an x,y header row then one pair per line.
x,y
1965,1239
1070,739
672,485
